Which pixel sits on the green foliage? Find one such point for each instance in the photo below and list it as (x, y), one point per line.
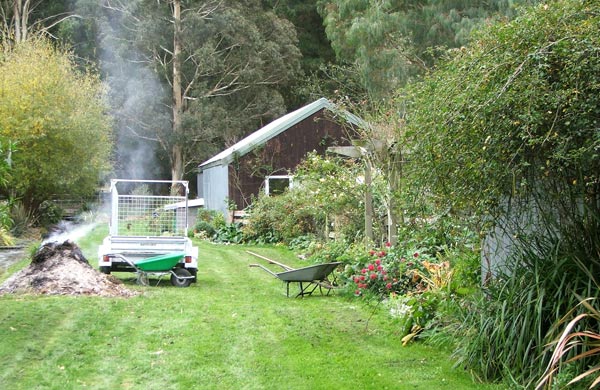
(5, 237)
(330, 189)
(239, 63)
(466, 263)
(6, 223)
(505, 330)
(302, 243)
(391, 41)
(413, 312)
(506, 131)
(334, 250)
(392, 270)
(204, 229)
(313, 44)
(5, 219)
(57, 117)
(6, 149)
(49, 213)
(207, 221)
(518, 105)
(325, 193)
(229, 233)
(450, 239)
(279, 219)
(22, 218)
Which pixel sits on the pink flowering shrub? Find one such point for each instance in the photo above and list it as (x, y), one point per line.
(388, 270)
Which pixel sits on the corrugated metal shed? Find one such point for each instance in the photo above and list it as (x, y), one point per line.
(271, 130)
(222, 183)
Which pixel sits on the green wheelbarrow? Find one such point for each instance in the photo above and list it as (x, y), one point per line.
(161, 265)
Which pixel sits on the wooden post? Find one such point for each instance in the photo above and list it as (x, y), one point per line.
(368, 203)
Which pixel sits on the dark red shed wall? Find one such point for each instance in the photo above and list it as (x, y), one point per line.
(282, 154)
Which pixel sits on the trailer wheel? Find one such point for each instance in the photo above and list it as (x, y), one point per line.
(178, 275)
(105, 270)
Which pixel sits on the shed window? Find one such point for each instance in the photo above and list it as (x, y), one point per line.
(275, 185)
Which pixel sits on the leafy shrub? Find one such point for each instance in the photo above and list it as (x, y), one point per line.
(326, 194)
(466, 264)
(280, 218)
(207, 223)
(338, 250)
(22, 218)
(302, 243)
(414, 312)
(231, 233)
(49, 213)
(204, 228)
(391, 270)
(5, 238)
(6, 221)
(206, 215)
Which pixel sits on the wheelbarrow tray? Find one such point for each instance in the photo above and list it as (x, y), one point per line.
(310, 278)
(159, 263)
(308, 274)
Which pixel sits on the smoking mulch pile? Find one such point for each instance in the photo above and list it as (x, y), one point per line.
(61, 269)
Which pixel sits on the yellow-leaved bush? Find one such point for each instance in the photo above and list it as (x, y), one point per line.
(56, 115)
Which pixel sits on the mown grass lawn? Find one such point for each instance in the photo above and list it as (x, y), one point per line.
(234, 329)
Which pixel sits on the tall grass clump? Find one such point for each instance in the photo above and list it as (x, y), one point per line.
(506, 329)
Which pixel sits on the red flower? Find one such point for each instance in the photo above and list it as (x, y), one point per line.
(388, 286)
(371, 267)
(373, 276)
(362, 277)
(388, 244)
(379, 268)
(377, 261)
(385, 277)
(356, 280)
(416, 255)
(357, 292)
(372, 252)
(382, 254)
(410, 263)
(363, 271)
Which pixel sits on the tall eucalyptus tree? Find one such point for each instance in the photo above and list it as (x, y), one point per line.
(191, 76)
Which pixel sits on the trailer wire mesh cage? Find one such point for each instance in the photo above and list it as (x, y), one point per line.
(137, 211)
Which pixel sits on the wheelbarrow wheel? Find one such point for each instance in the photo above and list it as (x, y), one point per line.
(181, 277)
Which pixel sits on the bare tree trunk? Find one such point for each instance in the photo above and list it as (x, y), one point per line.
(17, 12)
(176, 149)
(21, 10)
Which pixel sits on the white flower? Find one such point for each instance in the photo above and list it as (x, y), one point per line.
(401, 310)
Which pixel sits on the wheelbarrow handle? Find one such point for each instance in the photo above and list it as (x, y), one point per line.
(264, 268)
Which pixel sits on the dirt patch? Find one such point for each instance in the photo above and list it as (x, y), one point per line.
(61, 269)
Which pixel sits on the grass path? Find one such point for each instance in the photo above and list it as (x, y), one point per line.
(234, 329)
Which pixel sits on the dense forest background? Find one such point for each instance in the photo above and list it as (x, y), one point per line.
(186, 78)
